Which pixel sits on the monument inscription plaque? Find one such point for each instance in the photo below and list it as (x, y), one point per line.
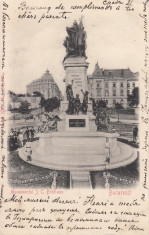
(77, 123)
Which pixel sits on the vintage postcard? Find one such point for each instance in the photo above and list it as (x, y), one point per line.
(74, 117)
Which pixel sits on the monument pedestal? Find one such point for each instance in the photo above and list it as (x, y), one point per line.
(76, 70)
(63, 106)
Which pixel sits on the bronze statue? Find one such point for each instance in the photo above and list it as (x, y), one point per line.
(102, 121)
(85, 102)
(82, 41)
(75, 42)
(50, 124)
(70, 98)
(77, 104)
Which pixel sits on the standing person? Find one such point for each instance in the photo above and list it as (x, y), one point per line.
(11, 132)
(28, 150)
(27, 132)
(11, 140)
(18, 132)
(32, 132)
(20, 139)
(15, 140)
(135, 133)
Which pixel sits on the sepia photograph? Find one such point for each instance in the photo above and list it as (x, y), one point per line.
(83, 133)
(74, 117)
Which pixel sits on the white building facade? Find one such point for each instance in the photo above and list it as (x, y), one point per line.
(46, 86)
(112, 85)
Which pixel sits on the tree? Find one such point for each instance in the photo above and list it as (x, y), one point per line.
(101, 104)
(42, 103)
(21, 95)
(51, 104)
(37, 94)
(24, 108)
(14, 99)
(133, 99)
(11, 93)
(118, 107)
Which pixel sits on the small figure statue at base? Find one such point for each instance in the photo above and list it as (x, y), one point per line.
(70, 98)
(50, 124)
(101, 120)
(85, 102)
(77, 104)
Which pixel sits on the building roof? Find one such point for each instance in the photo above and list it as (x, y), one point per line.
(97, 70)
(113, 73)
(46, 77)
(123, 73)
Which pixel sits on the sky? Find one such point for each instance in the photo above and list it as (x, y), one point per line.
(113, 39)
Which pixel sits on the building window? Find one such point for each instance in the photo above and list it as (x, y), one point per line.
(128, 92)
(128, 84)
(98, 92)
(133, 84)
(121, 84)
(98, 84)
(106, 93)
(121, 92)
(114, 84)
(114, 102)
(114, 92)
(121, 102)
(106, 85)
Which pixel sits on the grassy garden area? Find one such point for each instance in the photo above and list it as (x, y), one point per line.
(24, 175)
(123, 177)
(124, 116)
(124, 129)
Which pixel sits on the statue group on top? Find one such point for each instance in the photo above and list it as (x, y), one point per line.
(75, 42)
(74, 103)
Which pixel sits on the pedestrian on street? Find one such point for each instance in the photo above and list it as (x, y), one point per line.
(32, 132)
(135, 133)
(27, 132)
(20, 139)
(11, 140)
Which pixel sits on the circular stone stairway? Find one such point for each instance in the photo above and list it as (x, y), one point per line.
(79, 154)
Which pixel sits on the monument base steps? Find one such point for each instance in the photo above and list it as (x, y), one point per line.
(81, 185)
(80, 179)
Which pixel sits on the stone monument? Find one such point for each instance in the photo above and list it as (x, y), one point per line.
(80, 146)
(75, 63)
